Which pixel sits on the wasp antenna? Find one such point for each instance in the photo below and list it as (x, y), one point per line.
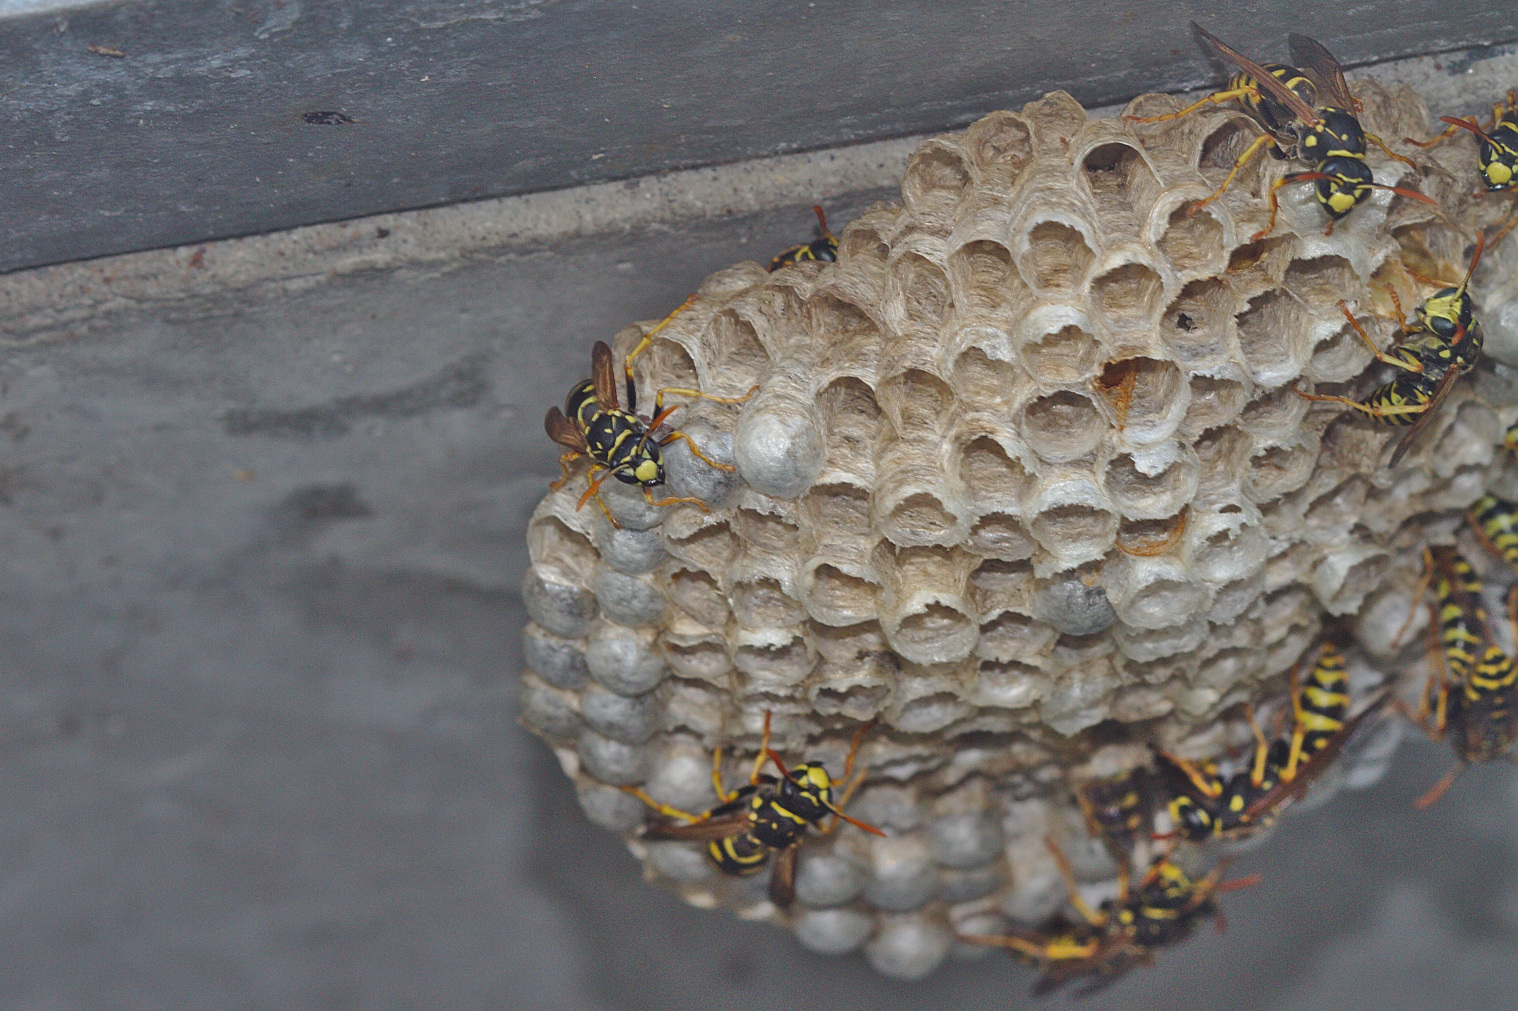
(1468, 124)
(1403, 191)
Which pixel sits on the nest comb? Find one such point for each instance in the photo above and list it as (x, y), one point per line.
(1024, 481)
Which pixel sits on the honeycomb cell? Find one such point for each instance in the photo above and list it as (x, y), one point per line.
(1066, 356)
(1000, 147)
(1214, 403)
(1126, 299)
(1148, 398)
(1197, 326)
(1062, 427)
(1150, 496)
(1057, 257)
(1271, 338)
(1193, 243)
(936, 180)
(920, 291)
(761, 603)
(1120, 180)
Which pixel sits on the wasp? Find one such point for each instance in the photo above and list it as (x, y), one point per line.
(1308, 115)
(1204, 806)
(1472, 696)
(1447, 342)
(1495, 522)
(1119, 810)
(621, 443)
(1163, 910)
(823, 248)
(767, 817)
(1497, 156)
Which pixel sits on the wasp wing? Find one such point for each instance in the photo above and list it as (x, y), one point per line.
(563, 431)
(1115, 959)
(1320, 65)
(1263, 78)
(1445, 385)
(604, 375)
(704, 830)
(783, 878)
(1314, 766)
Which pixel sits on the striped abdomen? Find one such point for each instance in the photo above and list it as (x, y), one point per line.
(1273, 115)
(1324, 701)
(615, 439)
(1482, 712)
(1462, 617)
(1497, 521)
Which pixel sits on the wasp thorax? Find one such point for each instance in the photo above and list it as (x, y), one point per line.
(809, 791)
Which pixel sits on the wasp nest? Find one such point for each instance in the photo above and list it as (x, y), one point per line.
(1025, 481)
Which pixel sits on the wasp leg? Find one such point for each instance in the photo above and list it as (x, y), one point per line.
(1058, 950)
(1449, 132)
(643, 346)
(1216, 98)
(659, 397)
(764, 750)
(1275, 204)
(1298, 731)
(1093, 917)
(1439, 788)
(1189, 770)
(1242, 160)
(564, 462)
(1261, 748)
(1381, 356)
(674, 500)
(1390, 153)
(1375, 412)
(696, 451)
(593, 491)
(664, 809)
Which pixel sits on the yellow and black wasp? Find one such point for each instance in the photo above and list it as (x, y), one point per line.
(1307, 114)
(1162, 910)
(1497, 155)
(824, 247)
(767, 817)
(1495, 520)
(1472, 695)
(621, 443)
(1446, 344)
(1119, 810)
(1205, 806)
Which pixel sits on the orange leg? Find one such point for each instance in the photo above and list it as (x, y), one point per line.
(1216, 98)
(1390, 153)
(1093, 917)
(1242, 160)
(564, 461)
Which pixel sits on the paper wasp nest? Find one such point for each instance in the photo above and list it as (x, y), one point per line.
(1024, 480)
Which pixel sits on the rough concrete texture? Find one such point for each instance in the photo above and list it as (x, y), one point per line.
(139, 123)
(259, 623)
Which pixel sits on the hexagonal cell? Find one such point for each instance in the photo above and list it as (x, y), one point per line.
(921, 289)
(1193, 243)
(1272, 336)
(1340, 507)
(1257, 265)
(837, 513)
(1322, 280)
(1057, 259)
(998, 535)
(836, 320)
(1140, 495)
(917, 402)
(698, 595)
(1222, 148)
(1214, 402)
(1281, 469)
(733, 355)
(931, 632)
(711, 547)
(851, 418)
(860, 241)
(935, 182)
(1013, 636)
(1062, 427)
(981, 380)
(671, 362)
(981, 276)
(999, 584)
(1342, 356)
(554, 546)
(1010, 684)
(999, 146)
(1127, 298)
(836, 597)
(989, 475)
(1273, 416)
(1226, 548)
(920, 518)
(1197, 326)
(1148, 538)
(1120, 179)
(1066, 357)
(767, 531)
(1160, 595)
(773, 667)
(1148, 398)
(1223, 458)
(1075, 530)
(762, 603)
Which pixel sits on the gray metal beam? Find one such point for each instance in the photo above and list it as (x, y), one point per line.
(134, 125)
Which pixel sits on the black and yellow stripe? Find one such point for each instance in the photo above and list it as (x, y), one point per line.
(1319, 708)
(1462, 616)
(1496, 521)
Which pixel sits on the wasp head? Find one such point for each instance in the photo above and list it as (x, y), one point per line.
(1343, 184)
(808, 793)
(1191, 820)
(642, 466)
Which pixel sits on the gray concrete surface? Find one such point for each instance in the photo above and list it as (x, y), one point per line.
(142, 123)
(262, 509)
(260, 632)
